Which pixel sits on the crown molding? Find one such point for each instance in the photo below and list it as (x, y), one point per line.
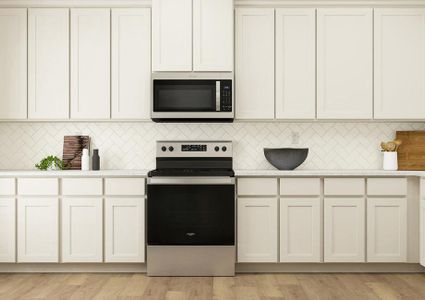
(75, 3)
(329, 3)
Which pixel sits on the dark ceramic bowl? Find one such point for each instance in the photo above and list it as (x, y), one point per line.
(286, 158)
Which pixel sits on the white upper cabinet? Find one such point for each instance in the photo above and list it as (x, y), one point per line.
(131, 63)
(254, 74)
(13, 63)
(48, 63)
(212, 35)
(399, 63)
(90, 63)
(172, 35)
(295, 63)
(344, 63)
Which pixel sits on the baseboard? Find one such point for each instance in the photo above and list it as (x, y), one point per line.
(240, 268)
(329, 268)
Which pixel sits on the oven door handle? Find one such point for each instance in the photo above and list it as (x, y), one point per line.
(191, 180)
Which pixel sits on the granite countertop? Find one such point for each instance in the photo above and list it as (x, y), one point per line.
(238, 173)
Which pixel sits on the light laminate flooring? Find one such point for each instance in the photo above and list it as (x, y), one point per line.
(245, 287)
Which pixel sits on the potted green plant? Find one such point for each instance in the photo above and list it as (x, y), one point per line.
(51, 163)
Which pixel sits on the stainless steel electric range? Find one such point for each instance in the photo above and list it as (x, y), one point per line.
(191, 210)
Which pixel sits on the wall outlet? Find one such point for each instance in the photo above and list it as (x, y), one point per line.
(295, 137)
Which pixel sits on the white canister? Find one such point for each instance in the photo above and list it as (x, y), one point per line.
(390, 161)
(85, 160)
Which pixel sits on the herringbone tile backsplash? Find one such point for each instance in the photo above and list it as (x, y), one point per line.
(132, 145)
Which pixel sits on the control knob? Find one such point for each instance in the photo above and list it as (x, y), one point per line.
(171, 148)
(216, 148)
(163, 148)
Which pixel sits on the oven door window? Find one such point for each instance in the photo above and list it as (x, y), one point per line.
(191, 215)
(184, 95)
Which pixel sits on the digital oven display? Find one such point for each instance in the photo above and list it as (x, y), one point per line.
(194, 148)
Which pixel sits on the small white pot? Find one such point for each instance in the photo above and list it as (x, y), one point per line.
(390, 161)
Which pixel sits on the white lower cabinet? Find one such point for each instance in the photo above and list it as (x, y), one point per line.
(38, 229)
(82, 229)
(124, 230)
(422, 230)
(344, 229)
(7, 230)
(300, 225)
(257, 230)
(386, 229)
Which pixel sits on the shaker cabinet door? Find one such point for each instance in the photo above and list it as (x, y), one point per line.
(7, 230)
(399, 63)
(295, 63)
(386, 229)
(124, 229)
(172, 35)
(48, 63)
(300, 229)
(344, 229)
(38, 229)
(13, 63)
(213, 35)
(257, 230)
(131, 63)
(254, 74)
(82, 229)
(344, 63)
(90, 63)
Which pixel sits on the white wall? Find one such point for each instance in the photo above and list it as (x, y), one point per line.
(132, 145)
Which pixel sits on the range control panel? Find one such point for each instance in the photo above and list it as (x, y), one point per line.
(194, 149)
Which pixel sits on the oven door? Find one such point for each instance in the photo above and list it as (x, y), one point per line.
(191, 211)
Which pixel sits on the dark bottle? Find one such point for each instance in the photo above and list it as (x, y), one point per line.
(96, 160)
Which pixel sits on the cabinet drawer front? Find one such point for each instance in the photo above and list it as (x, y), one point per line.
(82, 186)
(300, 186)
(257, 186)
(125, 186)
(386, 186)
(344, 186)
(38, 186)
(7, 186)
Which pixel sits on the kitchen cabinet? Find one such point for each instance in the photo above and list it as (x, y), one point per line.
(90, 63)
(257, 230)
(38, 229)
(13, 63)
(300, 224)
(399, 63)
(7, 230)
(172, 35)
(131, 63)
(82, 229)
(124, 229)
(295, 63)
(257, 186)
(344, 229)
(254, 65)
(212, 35)
(422, 225)
(344, 63)
(386, 229)
(192, 35)
(48, 63)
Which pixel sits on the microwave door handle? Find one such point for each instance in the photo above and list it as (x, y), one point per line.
(217, 95)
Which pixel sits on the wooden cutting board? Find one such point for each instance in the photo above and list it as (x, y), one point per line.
(411, 154)
(72, 150)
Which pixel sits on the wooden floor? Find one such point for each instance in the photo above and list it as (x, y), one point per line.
(246, 287)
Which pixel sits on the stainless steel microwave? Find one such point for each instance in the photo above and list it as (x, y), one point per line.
(192, 97)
